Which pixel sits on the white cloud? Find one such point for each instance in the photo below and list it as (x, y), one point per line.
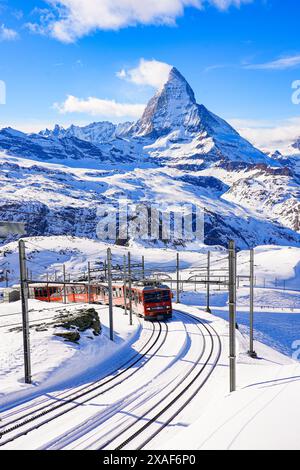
(148, 72)
(268, 135)
(225, 4)
(7, 34)
(100, 107)
(77, 18)
(279, 64)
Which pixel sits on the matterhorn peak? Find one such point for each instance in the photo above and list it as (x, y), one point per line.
(179, 85)
(173, 106)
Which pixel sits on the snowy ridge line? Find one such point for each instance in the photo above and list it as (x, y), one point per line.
(182, 393)
(99, 251)
(82, 392)
(32, 322)
(167, 393)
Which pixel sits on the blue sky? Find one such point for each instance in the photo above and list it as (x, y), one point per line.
(241, 60)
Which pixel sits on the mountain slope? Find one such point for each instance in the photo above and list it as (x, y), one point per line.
(178, 152)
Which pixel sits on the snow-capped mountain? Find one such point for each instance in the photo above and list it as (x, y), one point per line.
(96, 132)
(177, 152)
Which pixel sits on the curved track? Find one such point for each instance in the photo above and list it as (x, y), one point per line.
(67, 402)
(141, 401)
(182, 393)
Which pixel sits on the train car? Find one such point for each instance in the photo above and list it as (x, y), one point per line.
(46, 292)
(152, 302)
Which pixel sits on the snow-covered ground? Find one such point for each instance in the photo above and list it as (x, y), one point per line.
(261, 414)
(55, 362)
(249, 418)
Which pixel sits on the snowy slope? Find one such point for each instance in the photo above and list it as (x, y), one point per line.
(178, 151)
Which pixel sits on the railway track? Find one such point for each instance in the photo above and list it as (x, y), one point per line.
(70, 401)
(167, 410)
(132, 424)
(145, 426)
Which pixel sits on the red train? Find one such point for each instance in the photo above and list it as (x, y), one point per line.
(151, 302)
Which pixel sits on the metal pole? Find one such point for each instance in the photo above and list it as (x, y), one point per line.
(208, 284)
(110, 295)
(25, 318)
(105, 270)
(129, 288)
(64, 275)
(125, 285)
(143, 267)
(89, 282)
(177, 279)
(6, 278)
(251, 352)
(232, 315)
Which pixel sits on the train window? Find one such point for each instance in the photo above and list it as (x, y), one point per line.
(157, 296)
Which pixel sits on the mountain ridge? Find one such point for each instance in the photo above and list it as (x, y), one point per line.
(177, 151)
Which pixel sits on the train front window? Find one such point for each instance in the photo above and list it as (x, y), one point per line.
(159, 296)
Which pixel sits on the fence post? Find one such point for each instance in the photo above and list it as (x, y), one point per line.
(177, 279)
(110, 295)
(251, 352)
(232, 315)
(208, 284)
(25, 318)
